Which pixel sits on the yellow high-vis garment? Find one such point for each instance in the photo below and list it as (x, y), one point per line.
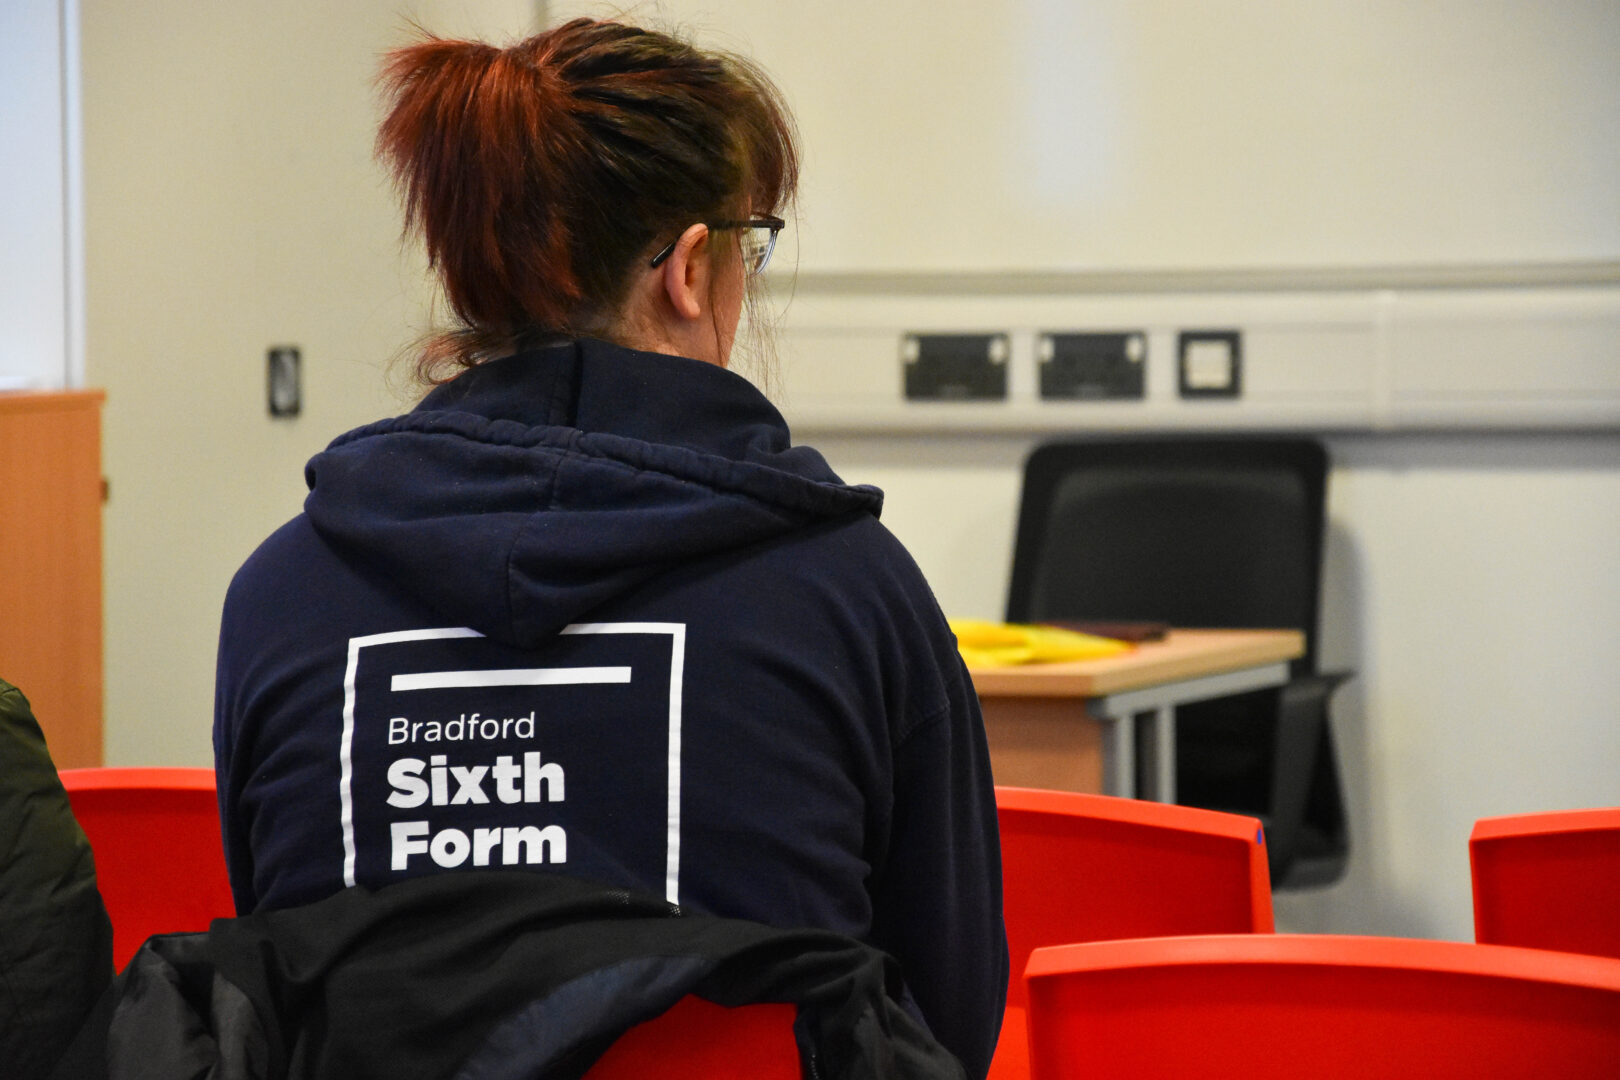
(992, 644)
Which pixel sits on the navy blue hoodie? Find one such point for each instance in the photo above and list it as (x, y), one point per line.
(586, 609)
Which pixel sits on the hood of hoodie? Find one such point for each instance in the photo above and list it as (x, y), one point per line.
(529, 490)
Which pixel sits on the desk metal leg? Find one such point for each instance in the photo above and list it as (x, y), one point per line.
(1157, 730)
(1119, 756)
(1154, 708)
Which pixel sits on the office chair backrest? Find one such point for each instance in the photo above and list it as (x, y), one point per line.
(699, 1040)
(155, 835)
(1264, 1006)
(1203, 532)
(1548, 881)
(1090, 867)
(1192, 532)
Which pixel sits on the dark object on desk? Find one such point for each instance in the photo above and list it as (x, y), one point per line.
(1119, 631)
(1204, 533)
(955, 367)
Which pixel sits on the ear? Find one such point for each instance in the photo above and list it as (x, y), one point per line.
(686, 272)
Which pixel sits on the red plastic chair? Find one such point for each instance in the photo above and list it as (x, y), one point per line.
(1266, 1007)
(699, 1040)
(1090, 867)
(1549, 881)
(160, 863)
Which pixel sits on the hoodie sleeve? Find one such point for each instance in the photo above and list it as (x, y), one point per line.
(227, 768)
(937, 902)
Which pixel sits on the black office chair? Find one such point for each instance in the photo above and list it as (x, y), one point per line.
(1203, 532)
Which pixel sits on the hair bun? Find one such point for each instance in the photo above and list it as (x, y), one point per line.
(539, 173)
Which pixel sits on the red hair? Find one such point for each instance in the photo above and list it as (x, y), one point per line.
(539, 174)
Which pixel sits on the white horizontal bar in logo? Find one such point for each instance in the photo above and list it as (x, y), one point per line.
(448, 680)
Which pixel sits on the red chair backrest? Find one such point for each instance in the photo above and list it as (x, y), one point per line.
(699, 1040)
(1264, 1006)
(1549, 881)
(160, 864)
(1089, 867)
(1080, 867)
(161, 868)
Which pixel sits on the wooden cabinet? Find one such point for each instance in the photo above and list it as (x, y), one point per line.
(50, 564)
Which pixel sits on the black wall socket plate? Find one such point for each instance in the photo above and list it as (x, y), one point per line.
(955, 367)
(1089, 366)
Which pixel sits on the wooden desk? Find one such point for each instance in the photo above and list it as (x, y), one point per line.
(1109, 725)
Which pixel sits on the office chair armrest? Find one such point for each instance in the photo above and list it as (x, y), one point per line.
(1302, 717)
(1308, 693)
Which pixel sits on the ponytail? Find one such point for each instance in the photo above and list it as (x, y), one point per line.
(538, 174)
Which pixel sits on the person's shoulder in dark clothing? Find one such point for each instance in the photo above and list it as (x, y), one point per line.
(55, 939)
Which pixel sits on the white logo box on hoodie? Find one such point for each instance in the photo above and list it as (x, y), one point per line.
(384, 681)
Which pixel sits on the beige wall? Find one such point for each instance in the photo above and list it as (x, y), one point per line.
(232, 205)
(1084, 134)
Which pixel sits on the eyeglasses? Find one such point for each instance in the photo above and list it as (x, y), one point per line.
(758, 241)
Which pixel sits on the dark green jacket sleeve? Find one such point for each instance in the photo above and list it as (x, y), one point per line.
(55, 940)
